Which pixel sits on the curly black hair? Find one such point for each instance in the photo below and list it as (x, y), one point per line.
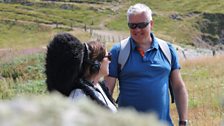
(63, 63)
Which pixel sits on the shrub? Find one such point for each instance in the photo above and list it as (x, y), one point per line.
(29, 67)
(54, 110)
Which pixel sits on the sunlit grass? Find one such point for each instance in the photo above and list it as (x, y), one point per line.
(185, 5)
(75, 14)
(23, 36)
(10, 88)
(23, 75)
(205, 84)
(103, 15)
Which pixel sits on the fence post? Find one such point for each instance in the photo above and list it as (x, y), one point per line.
(71, 26)
(91, 32)
(85, 27)
(56, 24)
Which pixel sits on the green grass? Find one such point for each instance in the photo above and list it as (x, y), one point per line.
(75, 15)
(19, 35)
(204, 81)
(10, 88)
(205, 84)
(181, 32)
(28, 67)
(184, 6)
(103, 14)
(23, 75)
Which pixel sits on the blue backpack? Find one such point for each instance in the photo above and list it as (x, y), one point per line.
(125, 52)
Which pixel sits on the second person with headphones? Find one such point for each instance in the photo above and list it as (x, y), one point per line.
(74, 69)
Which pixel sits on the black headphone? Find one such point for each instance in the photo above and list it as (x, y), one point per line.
(94, 65)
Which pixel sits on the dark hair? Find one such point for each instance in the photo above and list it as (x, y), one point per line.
(98, 50)
(63, 59)
(96, 53)
(66, 62)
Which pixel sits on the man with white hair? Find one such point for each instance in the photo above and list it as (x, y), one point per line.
(144, 78)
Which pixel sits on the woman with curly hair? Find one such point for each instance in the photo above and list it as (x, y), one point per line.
(74, 69)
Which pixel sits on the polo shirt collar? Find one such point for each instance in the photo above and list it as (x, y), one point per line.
(133, 44)
(154, 45)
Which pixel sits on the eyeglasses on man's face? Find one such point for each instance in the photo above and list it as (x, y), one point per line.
(109, 56)
(140, 25)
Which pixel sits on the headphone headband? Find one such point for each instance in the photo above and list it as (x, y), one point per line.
(94, 65)
(86, 52)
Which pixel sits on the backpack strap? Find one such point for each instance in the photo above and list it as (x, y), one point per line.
(165, 49)
(124, 52)
(126, 47)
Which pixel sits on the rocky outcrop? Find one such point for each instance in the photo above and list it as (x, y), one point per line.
(212, 29)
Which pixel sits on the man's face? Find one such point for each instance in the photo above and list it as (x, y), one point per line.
(140, 27)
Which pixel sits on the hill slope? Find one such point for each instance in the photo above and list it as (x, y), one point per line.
(186, 22)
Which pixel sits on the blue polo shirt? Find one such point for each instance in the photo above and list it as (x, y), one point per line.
(143, 81)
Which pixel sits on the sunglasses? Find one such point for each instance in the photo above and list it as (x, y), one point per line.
(109, 56)
(140, 25)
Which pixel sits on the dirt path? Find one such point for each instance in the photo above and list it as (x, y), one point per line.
(7, 54)
(106, 36)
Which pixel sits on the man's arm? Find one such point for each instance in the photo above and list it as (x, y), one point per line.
(110, 83)
(180, 94)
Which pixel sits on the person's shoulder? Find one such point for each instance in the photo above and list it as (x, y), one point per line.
(116, 46)
(170, 44)
(115, 49)
(173, 50)
(76, 93)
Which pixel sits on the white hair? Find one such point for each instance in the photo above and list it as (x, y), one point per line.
(139, 8)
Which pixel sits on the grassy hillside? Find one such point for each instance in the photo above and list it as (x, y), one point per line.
(44, 12)
(20, 35)
(205, 83)
(185, 6)
(23, 35)
(177, 21)
(22, 24)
